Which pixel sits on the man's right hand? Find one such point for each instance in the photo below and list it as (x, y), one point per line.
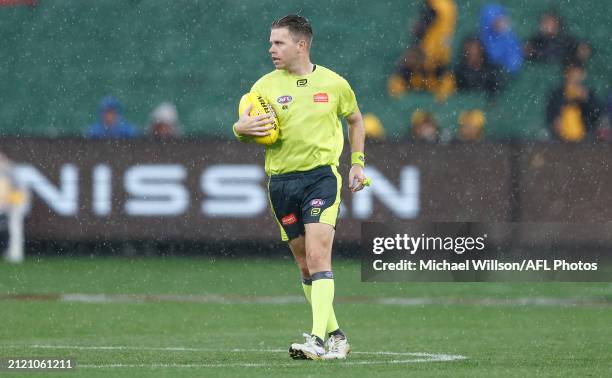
(254, 126)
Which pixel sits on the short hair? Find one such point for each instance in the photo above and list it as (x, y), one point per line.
(296, 24)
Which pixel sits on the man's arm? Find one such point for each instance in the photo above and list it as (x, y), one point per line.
(357, 141)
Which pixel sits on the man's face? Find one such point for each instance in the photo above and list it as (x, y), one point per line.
(469, 132)
(473, 54)
(502, 24)
(110, 117)
(575, 76)
(549, 25)
(284, 49)
(162, 130)
(425, 131)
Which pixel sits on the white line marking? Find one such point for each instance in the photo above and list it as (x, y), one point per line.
(266, 365)
(417, 356)
(298, 299)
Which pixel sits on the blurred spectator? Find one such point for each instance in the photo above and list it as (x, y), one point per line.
(373, 127)
(164, 122)
(424, 127)
(604, 130)
(552, 43)
(471, 126)
(609, 106)
(476, 72)
(424, 65)
(501, 45)
(572, 110)
(31, 3)
(13, 200)
(111, 124)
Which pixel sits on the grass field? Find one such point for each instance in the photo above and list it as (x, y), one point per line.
(153, 317)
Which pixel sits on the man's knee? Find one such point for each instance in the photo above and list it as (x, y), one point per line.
(319, 239)
(318, 256)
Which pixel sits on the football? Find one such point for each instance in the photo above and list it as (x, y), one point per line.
(260, 106)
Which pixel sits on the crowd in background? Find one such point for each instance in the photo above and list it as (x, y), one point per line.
(111, 124)
(490, 59)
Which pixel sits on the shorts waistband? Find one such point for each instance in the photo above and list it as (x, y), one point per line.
(293, 175)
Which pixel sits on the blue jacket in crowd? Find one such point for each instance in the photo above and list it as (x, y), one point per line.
(501, 46)
(120, 129)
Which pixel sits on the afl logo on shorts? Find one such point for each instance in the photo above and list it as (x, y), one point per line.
(284, 99)
(317, 202)
(289, 219)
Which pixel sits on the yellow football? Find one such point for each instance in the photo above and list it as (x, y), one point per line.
(260, 106)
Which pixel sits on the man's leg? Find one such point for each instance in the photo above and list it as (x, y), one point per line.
(298, 248)
(319, 240)
(320, 203)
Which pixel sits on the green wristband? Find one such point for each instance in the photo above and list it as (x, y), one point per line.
(358, 158)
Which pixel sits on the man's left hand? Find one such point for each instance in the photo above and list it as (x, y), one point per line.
(356, 178)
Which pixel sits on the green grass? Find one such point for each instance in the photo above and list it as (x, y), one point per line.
(498, 340)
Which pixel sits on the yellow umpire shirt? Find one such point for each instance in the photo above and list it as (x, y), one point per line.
(308, 109)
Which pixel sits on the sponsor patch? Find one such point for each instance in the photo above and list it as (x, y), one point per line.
(317, 202)
(315, 211)
(284, 99)
(288, 219)
(321, 97)
(302, 82)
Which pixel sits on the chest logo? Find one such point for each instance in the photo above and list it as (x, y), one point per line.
(321, 97)
(301, 82)
(284, 99)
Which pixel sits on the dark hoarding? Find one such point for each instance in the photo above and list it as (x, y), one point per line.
(207, 190)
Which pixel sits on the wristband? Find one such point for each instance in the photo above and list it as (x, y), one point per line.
(358, 158)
